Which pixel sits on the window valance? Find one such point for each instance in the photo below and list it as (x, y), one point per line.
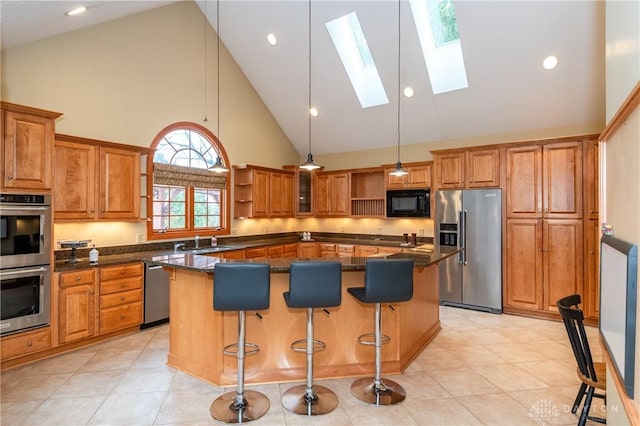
(169, 174)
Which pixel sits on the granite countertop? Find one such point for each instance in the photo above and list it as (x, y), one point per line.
(196, 260)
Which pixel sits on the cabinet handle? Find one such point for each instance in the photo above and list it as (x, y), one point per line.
(10, 177)
(30, 344)
(78, 278)
(122, 297)
(122, 316)
(93, 210)
(122, 272)
(592, 211)
(592, 252)
(123, 285)
(92, 292)
(539, 249)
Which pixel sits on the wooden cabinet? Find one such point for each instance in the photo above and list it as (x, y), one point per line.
(543, 262)
(345, 250)
(545, 181)
(28, 342)
(332, 194)
(27, 147)
(95, 182)
(367, 193)
(364, 251)
(327, 249)
(76, 305)
(307, 250)
(592, 174)
(472, 168)
(262, 192)
(389, 249)
(233, 254)
(255, 253)
(592, 269)
(290, 250)
(419, 176)
(120, 297)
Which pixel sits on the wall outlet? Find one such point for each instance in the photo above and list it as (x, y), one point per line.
(266, 229)
(141, 237)
(421, 232)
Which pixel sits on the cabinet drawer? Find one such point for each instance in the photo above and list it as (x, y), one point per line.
(326, 247)
(290, 250)
(120, 317)
(120, 298)
(275, 251)
(346, 248)
(252, 253)
(25, 343)
(114, 286)
(69, 279)
(121, 271)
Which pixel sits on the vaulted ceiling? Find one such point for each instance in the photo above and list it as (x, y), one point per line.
(503, 43)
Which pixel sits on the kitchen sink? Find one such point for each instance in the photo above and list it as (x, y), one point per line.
(211, 249)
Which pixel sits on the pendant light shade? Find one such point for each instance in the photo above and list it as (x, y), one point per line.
(219, 167)
(399, 170)
(309, 164)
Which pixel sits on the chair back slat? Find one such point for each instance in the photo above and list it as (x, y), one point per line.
(573, 319)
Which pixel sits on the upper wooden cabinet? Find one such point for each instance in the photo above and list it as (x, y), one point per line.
(545, 180)
(419, 175)
(263, 192)
(94, 181)
(27, 153)
(332, 194)
(367, 193)
(473, 168)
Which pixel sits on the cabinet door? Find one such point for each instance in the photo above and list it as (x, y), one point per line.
(523, 259)
(450, 170)
(260, 193)
(419, 176)
(74, 181)
(28, 150)
(76, 314)
(364, 251)
(562, 180)
(592, 191)
(119, 184)
(275, 194)
(322, 195)
(524, 181)
(288, 195)
(483, 168)
(563, 261)
(308, 250)
(591, 300)
(340, 194)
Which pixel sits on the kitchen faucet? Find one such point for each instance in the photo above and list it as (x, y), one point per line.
(197, 239)
(178, 246)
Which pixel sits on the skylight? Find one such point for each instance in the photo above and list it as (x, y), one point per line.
(351, 44)
(438, 34)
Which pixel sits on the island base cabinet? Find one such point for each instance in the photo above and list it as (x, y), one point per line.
(198, 333)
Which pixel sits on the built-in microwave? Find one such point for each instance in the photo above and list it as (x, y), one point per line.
(24, 298)
(25, 230)
(408, 203)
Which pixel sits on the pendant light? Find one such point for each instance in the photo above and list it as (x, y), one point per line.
(309, 164)
(218, 167)
(399, 170)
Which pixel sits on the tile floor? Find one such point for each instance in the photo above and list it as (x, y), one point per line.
(481, 369)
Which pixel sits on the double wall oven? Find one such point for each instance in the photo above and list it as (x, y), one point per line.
(25, 255)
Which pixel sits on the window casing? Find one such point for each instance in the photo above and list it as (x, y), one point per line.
(186, 198)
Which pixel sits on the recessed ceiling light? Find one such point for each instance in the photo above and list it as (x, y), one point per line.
(313, 111)
(272, 39)
(76, 11)
(550, 62)
(408, 92)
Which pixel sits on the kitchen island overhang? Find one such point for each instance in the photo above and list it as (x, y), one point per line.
(198, 334)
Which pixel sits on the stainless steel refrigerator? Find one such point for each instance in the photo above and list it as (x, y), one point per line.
(470, 219)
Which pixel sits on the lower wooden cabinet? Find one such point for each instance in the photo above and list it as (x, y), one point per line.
(76, 305)
(364, 251)
(592, 269)
(544, 262)
(26, 343)
(307, 250)
(327, 250)
(120, 296)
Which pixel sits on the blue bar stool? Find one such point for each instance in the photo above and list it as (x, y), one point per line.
(385, 281)
(312, 285)
(240, 287)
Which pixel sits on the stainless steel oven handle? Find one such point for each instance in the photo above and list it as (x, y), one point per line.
(23, 271)
(25, 208)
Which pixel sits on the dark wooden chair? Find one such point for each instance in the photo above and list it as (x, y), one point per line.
(591, 374)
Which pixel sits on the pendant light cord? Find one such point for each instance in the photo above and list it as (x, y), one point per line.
(206, 101)
(218, 61)
(309, 91)
(399, 95)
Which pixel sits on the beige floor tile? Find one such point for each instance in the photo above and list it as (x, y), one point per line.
(160, 340)
(463, 381)
(551, 405)
(470, 356)
(509, 377)
(89, 384)
(33, 387)
(460, 324)
(65, 363)
(123, 409)
(186, 382)
(373, 415)
(150, 358)
(438, 359)
(15, 413)
(336, 417)
(66, 411)
(515, 352)
(105, 361)
(485, 337)
(497, 409)
(131, 342)
(185, 408)
(421, 386)
(449, 337)
(440, 412)
(519, 334)
(553, 372)
(145, 380)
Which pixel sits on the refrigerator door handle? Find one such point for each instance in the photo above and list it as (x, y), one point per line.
(464, 237)
(460, 237)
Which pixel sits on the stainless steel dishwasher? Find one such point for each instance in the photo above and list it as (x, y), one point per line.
(156, 296)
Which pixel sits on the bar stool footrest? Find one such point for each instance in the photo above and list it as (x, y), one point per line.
(232, 349)
(318, 345)
(370, 339)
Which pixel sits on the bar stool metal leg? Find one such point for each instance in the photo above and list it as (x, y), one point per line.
(310, 399)
(375, 390)
(240, 406)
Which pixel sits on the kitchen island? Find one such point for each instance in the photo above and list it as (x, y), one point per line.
(198, 333)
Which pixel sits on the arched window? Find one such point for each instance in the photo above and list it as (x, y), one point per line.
(188, 198)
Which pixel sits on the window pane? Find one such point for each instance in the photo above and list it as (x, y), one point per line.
(207, 214)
